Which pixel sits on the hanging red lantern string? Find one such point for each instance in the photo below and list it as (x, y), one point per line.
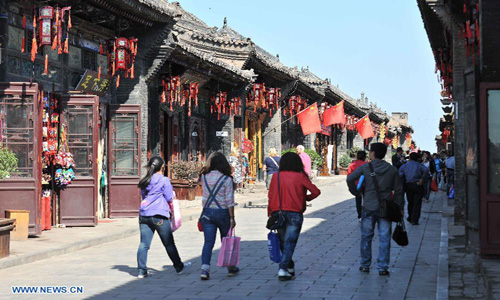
(121, 56)
(218, 103)
(272, 99)
(190, 94)
(50, 31)
(257, 96)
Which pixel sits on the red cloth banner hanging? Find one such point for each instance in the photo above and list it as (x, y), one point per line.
(309, 120)
(364, 127)
(334, 115)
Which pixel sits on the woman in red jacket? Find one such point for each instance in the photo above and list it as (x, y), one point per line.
(290, 184)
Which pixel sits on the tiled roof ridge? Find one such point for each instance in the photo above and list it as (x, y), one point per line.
(247, 74)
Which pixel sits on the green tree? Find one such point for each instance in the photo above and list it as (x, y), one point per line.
(8, 162)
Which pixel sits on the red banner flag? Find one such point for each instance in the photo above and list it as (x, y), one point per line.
(364, 127)
(309, 120)
(334, 115)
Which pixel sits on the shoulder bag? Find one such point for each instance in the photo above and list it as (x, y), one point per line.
(400, 236)
(276, 221)
(213, 192)
(388, 209)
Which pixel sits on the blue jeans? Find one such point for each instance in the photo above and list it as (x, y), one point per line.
(289, 235)
(148, 226)
(368, 221)
(211, 220)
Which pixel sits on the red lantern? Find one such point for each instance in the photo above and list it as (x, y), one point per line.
(122, 53)
(46, 16)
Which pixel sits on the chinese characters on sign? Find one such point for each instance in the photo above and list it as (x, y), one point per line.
(91, 84)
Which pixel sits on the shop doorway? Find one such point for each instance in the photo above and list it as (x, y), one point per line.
(78, 201)
(20, 114)
(124, 161)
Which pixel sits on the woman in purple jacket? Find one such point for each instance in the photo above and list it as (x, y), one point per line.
(154, 215)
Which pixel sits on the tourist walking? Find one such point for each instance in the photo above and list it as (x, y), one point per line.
(271, 165)
(428, 162)
(450, 170)
(414, 175)
(218, 207)
(361, 160)
(306, 160)
(398, 159)
(437, 164)
(154, 214)
(388, 182)
(236, 165)
(289, 186)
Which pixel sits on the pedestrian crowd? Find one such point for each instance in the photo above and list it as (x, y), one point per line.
(288, 184)
(379, 189)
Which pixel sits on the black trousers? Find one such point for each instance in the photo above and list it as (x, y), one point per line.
(359, 199)
(414, 195)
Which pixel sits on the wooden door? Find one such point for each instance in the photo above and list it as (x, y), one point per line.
(21, 132)
(490, 168)
(171, 142)
(124, 161)
(78, 201)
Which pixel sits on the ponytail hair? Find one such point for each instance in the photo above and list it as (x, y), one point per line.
(155, 164)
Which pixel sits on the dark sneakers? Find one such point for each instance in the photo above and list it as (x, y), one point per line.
(232, 271)
(364, 269)
(384, 273)
(205, 275)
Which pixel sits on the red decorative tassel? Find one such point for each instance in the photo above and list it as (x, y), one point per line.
(34, 49)
(101, 50)
(46, 72)
(465, 8)
(132, 71)
(66, 45)
(69, 20)
(23, 43)
(34, 18)
(114, 69)
(163, 99)
(99, 73)
(118, 81)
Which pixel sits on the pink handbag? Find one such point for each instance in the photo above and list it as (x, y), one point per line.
(229, 254)
(175, 215)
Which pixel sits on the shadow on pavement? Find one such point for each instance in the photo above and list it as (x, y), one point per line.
(327, 261)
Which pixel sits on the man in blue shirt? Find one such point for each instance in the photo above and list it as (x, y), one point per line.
(413, 175)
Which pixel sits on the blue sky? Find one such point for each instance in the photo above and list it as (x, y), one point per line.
(376, 47)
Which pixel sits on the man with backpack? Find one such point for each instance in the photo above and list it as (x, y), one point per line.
(381, 180)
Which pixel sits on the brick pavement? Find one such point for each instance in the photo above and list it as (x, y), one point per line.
(327, 262)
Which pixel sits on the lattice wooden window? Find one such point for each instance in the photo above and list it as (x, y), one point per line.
(125, 140)
(80, 136)
(17, 132)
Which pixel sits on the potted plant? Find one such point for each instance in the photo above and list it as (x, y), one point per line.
(8, 162)
(344, 162)
(185, 178)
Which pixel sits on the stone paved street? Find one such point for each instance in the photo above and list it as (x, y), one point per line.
(326, 257)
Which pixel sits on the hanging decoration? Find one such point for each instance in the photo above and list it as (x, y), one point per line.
(395, 141)
(121, 57)
(219, 104)
(256, 97)
(295, 105)
(272, 99)
(64, 162)
(382, 130)
(444, 64)
(189, 95)
(350, 122)
(171, 91)
(408, 139)
(50, 126)
(471, 31)
(53, 29)
(233, 107)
